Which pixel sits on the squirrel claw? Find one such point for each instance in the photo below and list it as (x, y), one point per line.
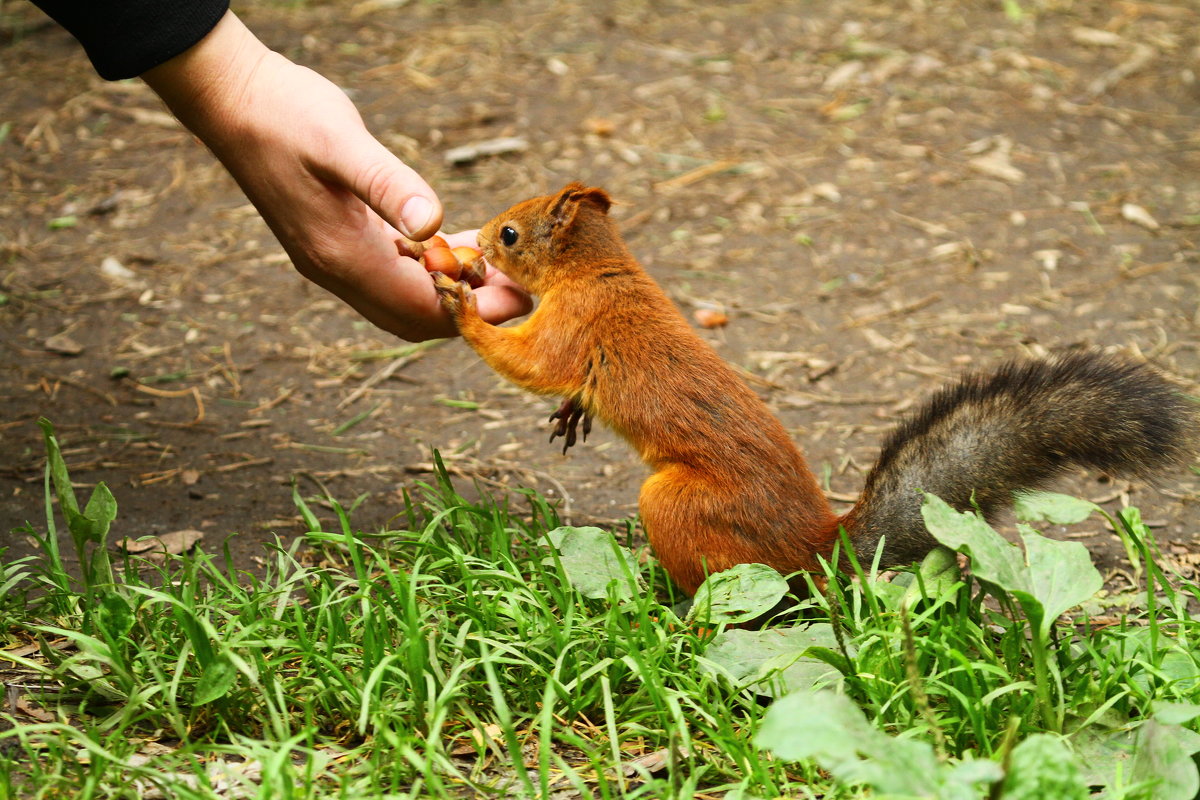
(455, 296)
(568, 416)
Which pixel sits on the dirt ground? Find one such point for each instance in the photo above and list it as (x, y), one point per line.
(878, 194)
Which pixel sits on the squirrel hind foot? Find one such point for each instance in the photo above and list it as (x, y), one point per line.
(568, 415)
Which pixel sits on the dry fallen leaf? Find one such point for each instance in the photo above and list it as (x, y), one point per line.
(156, 547)
(34, 711)
(490, 734)
(114, 269)
(841, 75)
(63, 344)
(488, 147)
(651, 762)
(359, 10)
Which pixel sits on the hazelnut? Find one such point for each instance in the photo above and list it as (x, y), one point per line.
(441, 259)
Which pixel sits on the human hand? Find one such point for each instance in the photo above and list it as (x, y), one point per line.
(336, 199)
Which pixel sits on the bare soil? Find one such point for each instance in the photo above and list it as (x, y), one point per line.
(878, 194)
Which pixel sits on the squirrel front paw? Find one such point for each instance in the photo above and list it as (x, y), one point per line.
(456, 296)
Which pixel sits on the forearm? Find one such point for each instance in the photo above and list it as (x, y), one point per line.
(124, 39)
(205, 85)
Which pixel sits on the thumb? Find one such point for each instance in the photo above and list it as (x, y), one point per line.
(390, 187)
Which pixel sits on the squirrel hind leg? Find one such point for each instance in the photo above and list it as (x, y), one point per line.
(698, 525)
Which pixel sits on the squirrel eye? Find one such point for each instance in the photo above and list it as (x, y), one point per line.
(508, 236)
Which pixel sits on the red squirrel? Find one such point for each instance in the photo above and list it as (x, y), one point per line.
(728, 485)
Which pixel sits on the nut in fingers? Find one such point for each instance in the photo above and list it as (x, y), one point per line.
(409, 247)
(441, 259)
(474, 267)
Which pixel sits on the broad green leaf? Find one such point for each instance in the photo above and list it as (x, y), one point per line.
(939, 572)
(738, 594)
(1175, 713)
(90, 525)
(100, 511)
(1163, 752)
(1160, 749)
(1176, 665)
(1131, 516)
(993, 558)
(1061, 575)
(831, 730)
(96, 679)
(1104, 753)
(1047, 580)
(593, 561)
(115, 616)
(963, 779)
(844, 732)
(1043, 767)
(1052, 507)
(774, 658)
(216, 680)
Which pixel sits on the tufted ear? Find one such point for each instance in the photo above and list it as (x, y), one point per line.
(566, 204)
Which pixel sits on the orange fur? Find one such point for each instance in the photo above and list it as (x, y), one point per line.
(728, 485)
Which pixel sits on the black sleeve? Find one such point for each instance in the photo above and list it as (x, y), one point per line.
(124, 38)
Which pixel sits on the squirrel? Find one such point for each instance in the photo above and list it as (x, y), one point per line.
(729, 486)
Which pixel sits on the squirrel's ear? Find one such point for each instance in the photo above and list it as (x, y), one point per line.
(566, 203)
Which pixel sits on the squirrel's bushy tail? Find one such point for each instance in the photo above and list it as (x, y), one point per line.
(990, 435)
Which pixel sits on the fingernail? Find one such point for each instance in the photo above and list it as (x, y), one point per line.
(416, 214)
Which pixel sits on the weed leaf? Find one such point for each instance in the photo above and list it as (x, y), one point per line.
(1061, 575)
(1159, 752)
(939, 577)
(1163, 753)
(775, 661)
(1047, 580)
(992, 558)
(593, 561)
(93, 523)
(58, 468)
(738, 594)
(216, 680)
(846, 745)
(100, 512)
(115, 616)
(1052, 507)
(1040, 767)
(1176, 713)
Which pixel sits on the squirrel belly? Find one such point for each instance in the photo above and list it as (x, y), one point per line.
(728, 485)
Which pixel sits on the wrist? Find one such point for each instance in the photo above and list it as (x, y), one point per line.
(203, 85)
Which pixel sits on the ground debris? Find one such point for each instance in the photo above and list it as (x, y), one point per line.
(890, 194)
(503, 145)
(157, 548)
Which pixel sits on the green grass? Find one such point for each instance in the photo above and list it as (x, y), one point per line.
(479, 650)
